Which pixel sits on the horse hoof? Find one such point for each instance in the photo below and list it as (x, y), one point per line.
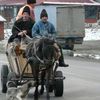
(42, 91)
(35, 97)
(48, 97)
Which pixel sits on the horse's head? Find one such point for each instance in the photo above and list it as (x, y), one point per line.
(48, 51)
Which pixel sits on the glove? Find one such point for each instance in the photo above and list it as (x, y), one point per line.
(20, 33)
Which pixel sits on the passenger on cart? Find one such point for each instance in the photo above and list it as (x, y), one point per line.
(43, 28)
(31, 5)
(22, 26)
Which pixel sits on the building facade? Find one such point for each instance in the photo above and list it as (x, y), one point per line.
(9, 8)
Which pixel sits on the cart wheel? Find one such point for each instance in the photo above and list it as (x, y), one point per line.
(11, 77)
(4, 74)
(58, 84)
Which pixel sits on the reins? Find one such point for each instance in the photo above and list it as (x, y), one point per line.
(39, 59)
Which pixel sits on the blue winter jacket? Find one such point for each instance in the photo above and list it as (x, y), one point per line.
(43, 29)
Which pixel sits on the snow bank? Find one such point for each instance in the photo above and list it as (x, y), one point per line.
(92, 34)
(7, 33)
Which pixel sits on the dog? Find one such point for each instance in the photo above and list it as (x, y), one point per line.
(20, 92)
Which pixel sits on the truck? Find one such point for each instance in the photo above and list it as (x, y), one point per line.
(69, 21)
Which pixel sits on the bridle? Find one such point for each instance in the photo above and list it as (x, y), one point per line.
(44, 60)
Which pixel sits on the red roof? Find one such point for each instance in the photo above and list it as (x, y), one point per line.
(90, 20)
(82, 2)
(21, 2)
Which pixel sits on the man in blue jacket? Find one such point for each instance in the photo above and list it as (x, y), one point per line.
(43, 28)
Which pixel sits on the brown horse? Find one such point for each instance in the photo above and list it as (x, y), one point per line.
(42, 56)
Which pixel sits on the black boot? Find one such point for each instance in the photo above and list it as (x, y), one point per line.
(62, 64)
(61, 59)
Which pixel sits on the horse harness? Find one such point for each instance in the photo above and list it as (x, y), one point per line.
(35, 48)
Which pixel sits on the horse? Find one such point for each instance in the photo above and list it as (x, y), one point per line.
(42, 54)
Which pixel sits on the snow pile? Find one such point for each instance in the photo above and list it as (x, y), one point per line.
(7, 34)
(92, 34)
(85, 55)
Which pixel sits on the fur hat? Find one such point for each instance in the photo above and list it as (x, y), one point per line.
(43, 13)
(31, 1)
(26, 9)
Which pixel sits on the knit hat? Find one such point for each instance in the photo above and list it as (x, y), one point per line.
(26, 9)
(43, 13)
(31, 1)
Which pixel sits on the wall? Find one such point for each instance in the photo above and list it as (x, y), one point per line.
(51, 10)
(1, 30)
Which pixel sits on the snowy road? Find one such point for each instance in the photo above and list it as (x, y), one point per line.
(82, 80)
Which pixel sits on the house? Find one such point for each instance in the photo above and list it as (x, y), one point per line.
(92, 8)
(9, 8)
(2, 20)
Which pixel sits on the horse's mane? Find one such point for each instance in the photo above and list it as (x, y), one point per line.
(43, 44)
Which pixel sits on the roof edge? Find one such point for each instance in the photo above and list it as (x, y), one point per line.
(94, 1)
(2, 19)
(73, 3)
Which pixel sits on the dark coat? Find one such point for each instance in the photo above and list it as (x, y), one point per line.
(19, 26)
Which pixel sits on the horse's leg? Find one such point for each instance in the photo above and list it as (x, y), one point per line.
(35, 72)
(42, 82)
(47, 84)
(36, 94)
